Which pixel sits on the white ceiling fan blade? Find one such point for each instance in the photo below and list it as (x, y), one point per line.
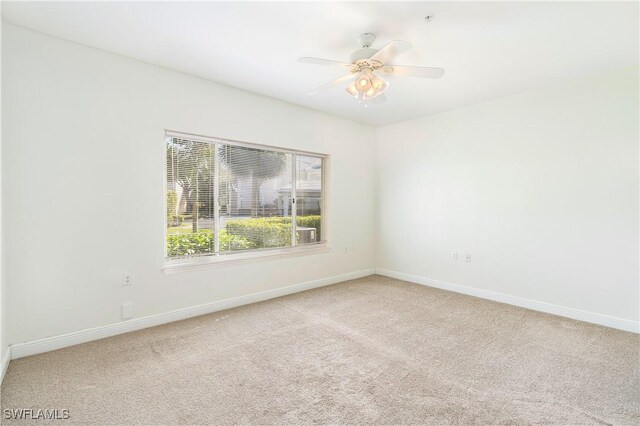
(319, 61)
(390, 51)
(424, 72)
(330, 84)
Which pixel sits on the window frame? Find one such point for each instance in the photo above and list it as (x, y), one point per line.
(206, 261)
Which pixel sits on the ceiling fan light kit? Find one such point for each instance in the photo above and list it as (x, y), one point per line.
(367, 85)
(366, 63)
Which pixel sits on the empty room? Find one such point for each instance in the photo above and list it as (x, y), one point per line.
(265, 213)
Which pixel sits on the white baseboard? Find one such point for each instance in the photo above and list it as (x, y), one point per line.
(4, 364)
(563, 311)
(47, 344)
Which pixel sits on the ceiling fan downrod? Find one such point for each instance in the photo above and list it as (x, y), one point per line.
(365, 40)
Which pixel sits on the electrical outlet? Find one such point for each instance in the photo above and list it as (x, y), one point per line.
(467, 257)
(127, 279)
(454, 256)
(127, 310)
(346, 249)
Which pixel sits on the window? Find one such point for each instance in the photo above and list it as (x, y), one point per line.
(225, 198)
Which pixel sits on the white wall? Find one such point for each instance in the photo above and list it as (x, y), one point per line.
(541, 188)
(3, 323)
(83, 184)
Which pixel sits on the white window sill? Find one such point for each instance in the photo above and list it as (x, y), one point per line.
(209, 262)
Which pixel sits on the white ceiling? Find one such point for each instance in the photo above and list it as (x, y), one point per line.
(489, 49)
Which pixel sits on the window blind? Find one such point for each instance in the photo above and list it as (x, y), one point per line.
(224, 197)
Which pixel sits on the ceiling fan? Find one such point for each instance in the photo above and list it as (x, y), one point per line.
(366, 66)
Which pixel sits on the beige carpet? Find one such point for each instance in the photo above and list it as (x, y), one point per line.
(372, 350)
